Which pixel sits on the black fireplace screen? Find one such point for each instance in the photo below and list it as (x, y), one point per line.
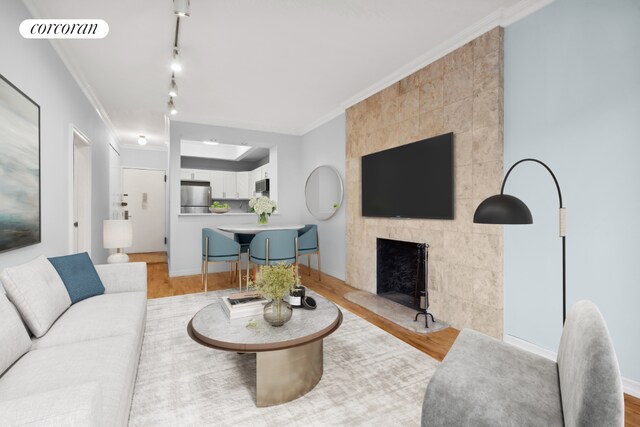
(401, 271)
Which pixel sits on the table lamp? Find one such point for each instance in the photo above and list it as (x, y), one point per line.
(117, 234)
(506, 209)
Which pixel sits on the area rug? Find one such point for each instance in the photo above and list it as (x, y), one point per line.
(370, 377)
(397, 313)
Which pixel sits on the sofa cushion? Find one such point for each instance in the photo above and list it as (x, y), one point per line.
(70, 406)
(588, 370)
(37, 291)
(13, 335)
(98, 317)
(485, 382)
(78, 275)
(111, 362)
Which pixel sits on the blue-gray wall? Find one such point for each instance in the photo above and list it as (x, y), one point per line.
(572, 99)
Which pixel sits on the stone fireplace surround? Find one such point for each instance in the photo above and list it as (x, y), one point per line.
(462, 93)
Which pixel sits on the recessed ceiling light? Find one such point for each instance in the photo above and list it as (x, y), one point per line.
(211, 141)
(181, 8)
(172, 107)
(173, 89)
(142, 140)
(176, 65)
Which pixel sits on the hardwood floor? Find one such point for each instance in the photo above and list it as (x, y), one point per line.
(436, 344)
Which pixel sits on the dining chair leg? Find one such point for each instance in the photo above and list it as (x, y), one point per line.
(206, 276)
(239, 268)
(202, 273)
(309, 264)
(319, 274)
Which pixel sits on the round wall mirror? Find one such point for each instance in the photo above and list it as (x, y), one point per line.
(323, 192)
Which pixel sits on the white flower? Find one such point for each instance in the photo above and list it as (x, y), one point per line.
(262, 205)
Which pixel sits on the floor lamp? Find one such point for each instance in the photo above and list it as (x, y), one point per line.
(505, 209)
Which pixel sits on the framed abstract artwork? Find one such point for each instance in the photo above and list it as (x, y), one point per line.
(19, 168)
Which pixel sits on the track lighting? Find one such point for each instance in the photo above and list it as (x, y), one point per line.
(142, 140)
(181, 8)
(173, 88)
(176, 65)
(211, 141)
(172, 108)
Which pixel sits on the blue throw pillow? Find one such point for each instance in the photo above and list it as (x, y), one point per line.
(78, 275)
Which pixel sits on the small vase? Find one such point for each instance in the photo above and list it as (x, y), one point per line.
(277, 312)
(263, 219)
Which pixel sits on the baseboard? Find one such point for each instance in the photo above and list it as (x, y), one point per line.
(629, 386)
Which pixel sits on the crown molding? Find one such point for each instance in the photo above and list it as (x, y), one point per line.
(85, 87)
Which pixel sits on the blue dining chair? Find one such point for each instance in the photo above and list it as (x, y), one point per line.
(216, 248)
(309, 244)
(273, 247)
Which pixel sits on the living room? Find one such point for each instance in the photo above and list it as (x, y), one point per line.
(328, 85)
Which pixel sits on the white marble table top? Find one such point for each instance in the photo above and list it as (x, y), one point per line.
(254, 228)
(211, 326)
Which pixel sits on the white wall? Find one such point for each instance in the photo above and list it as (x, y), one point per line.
(572, 100)
(185, 231)
(326, 145)
(143, 158)
(35, 68)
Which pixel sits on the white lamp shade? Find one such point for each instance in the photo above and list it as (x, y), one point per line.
(117, 233)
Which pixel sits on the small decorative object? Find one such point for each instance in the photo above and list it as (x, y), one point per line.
(264, 207)
(117, 234)
(296, 296)
(274, 282)
(218, 207)
(20, 170)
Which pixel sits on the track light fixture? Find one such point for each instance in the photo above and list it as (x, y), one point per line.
(142, 140)
(181, 8)
(176, 65)
(173, 88)
(172, 108)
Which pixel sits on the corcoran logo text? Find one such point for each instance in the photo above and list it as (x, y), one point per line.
(64, 29)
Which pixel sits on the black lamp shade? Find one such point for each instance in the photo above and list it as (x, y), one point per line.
(502, 209)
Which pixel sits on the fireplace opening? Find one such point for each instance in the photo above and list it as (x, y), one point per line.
(401, 272)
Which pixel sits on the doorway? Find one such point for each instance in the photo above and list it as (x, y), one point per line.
(81, 210)
(144, 194)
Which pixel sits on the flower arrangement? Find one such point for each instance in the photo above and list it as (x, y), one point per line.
(275, 281)
(263, 206)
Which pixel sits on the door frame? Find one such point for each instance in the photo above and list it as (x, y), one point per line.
(166, 195)
(73, 131)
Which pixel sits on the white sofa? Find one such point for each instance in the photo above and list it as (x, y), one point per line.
(83, 370)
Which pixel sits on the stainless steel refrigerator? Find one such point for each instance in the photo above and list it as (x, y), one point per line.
(195, 196)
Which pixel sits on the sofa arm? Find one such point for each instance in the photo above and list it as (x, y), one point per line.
(78, 405)
(126, 277)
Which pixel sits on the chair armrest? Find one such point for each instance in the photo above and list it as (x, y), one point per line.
(126, 277)
(78, 405)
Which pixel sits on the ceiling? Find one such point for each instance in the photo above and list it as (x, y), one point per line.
(275, 65)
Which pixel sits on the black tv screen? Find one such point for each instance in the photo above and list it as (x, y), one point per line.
(410, 181)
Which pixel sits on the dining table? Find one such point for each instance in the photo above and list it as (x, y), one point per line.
(253, 228)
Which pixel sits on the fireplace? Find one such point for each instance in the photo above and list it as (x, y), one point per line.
(401, 272)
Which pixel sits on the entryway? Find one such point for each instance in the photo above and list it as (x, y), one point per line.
(144, 194)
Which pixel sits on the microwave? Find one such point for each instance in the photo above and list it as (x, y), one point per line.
(262, 186)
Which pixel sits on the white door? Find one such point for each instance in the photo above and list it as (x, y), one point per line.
(81, 193)
(229, 185)
(115, 186)
(217, 186)
(242, 181)
(144, 192)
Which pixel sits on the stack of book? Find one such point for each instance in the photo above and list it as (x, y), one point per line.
(243, 304)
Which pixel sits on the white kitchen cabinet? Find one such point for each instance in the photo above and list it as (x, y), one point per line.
(229, 185)
(242, 185)
(194, 175)
(217, 184)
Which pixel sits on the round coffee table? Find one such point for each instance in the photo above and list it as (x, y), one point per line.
(289, 358)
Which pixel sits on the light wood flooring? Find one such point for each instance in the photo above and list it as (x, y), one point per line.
(435, 344)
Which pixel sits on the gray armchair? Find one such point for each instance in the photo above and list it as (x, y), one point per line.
(486, 382)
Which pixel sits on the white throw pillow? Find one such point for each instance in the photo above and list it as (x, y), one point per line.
(13, 335)
(38, 292)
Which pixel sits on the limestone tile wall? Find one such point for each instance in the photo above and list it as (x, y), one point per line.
(460, 93)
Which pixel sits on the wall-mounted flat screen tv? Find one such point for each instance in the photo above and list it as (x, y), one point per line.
(411, 181)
